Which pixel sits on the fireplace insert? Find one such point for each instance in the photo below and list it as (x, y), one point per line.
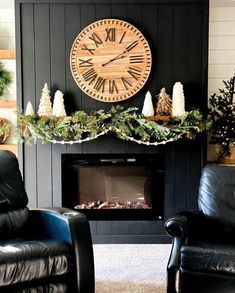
(114, 186)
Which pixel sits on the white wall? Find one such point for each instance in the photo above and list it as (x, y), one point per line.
(7, 41)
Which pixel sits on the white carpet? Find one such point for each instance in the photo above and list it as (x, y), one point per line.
(132, 268)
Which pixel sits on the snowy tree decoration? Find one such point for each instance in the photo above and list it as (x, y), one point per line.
(29, 109)
(58, 105)
(148, 109)
(45, 106)
(178, 100)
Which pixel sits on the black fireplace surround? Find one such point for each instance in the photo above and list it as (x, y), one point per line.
(114, 186)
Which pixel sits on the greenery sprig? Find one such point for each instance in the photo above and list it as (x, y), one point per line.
(5, 127)
(5, 78)
(127, 124)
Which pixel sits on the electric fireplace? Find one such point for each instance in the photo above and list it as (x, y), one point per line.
(114, 186)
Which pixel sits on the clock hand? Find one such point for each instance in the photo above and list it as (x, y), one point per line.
(128, 48)
(115, 58)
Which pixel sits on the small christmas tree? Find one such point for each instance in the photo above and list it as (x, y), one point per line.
(222, 116)
(45, 106)
(58, 105)
(178, 100)
(29, 109)
(164, 107)
(148, 109)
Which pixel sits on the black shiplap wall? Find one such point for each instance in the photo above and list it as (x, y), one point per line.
(177, 32)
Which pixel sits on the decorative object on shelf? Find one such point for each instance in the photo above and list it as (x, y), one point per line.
(110, 60)
(148, 109)
(164, 104)
(58, 109)
(178, 100)
(222, 118)
(29, 109)
(127, 124)
(45, 106)
(5, 79)
(5, 128)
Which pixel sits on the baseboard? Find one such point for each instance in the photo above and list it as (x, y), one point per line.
(131, 239)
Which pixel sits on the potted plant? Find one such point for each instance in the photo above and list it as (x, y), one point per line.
(5, 79)
(5, 127)
(222, 118)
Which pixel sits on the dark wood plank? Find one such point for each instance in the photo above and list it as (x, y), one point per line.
(88, 15)
(134, 227)
(195, 57)
(28, 94)
(180, 43)
(118, 228)
(58, 74)
(42, 71)
(164, 58)
(179, 169)
(73, 94)
(104, 228)
(149, 227)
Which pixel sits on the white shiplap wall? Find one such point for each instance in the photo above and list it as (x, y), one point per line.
(7, 41)
(221, 46)
(221, 51)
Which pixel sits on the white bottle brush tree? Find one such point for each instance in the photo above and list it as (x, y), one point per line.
(45, 105)
(148, 109)
(58, 105)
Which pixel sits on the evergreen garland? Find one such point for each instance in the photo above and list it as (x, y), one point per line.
(125, 123)
(222, 117)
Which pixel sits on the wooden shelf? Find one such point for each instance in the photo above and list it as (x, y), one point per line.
(8, 104)
(7, 54)
(9, 147)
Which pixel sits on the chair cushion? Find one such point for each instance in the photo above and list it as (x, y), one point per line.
(216, 193)
(11, 223)
(208, 258)
(27, 261)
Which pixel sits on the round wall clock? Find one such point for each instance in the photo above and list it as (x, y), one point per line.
(110, 60)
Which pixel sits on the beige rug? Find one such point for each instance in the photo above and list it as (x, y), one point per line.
(134, 268)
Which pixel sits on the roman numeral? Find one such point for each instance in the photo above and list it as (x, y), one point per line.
(132, 45)
(110, 34)
(134, 72)
(122, 37)
(99, 84)
(112, 87)
(84, 47)
(95, 38)
(137, 59)
(89, 75)
(125, 83)
(85, 63)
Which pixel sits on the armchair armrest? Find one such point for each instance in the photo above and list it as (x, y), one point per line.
(178, 228)
(72, 228)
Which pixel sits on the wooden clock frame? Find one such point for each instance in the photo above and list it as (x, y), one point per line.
(110, 60)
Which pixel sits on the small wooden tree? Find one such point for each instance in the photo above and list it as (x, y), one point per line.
(164, 106)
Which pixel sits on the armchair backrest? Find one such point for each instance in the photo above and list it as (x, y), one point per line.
(13, 197)
(217, 193)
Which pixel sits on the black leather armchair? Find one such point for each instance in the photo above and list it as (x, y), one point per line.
(41, 250)
(202, 258)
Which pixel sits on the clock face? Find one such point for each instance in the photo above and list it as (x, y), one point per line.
(110, 60)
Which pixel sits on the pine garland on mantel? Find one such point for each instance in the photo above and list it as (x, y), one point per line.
(127, 124)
